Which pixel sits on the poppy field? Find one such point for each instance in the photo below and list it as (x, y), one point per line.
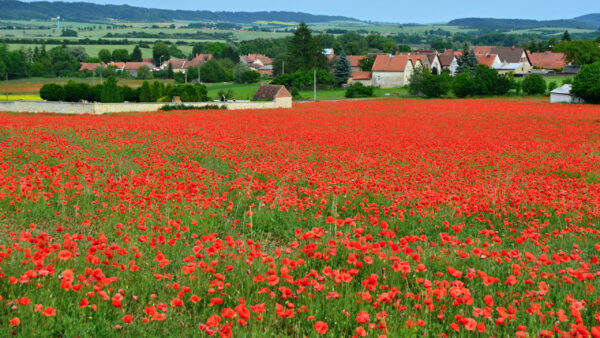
(391, 218)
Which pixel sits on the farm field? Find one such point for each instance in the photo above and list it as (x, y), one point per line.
(399, 218)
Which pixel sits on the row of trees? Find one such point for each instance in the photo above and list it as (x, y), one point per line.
(479, 81)
(110, 91)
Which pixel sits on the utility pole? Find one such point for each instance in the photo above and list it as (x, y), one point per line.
(315, 84)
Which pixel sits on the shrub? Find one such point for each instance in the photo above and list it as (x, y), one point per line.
(52, 92)
(463, 85)
(110, 91)
(586, 84)
(552, 85)
(436, 85)
(417, 80)
(75, 92)
(129, 94)
(357, 90)
(168, 107)
(534, 84)
(188, 92)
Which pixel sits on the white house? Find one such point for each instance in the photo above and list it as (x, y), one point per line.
(519, 68)
(448, 61)
(391, 71)
(563, 94)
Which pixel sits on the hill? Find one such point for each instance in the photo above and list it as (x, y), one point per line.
(592, 19)
(509, 24)
(84, 11)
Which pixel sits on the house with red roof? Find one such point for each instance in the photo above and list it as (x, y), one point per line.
(133, 67)
(362, 77)
(448, 61)
(548, 60)
(258, 62)
(91, 66)
(490, 60)
(391, 71)
(355, 62)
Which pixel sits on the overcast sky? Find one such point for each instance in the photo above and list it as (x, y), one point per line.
(391, 10)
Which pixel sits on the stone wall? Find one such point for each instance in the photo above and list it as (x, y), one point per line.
(108, 108)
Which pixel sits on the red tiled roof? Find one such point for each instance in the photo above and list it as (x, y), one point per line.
(119, 65)
(417, 57)
(271, 92)
(487, 59)
(390, 63)
(137, 65)
(548, 60)
(446, 59)
(355, 59)
(176, 63)
(148, 60)
(265, 60)
(482, 49)
(91, 66)
(360, 75)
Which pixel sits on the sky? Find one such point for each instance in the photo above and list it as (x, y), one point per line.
(428, 11)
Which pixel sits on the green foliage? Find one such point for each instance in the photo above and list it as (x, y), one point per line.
(188, 92)
(75, 92)
(158, 90)
(146, 92)
(357, 90)
(566, 36)
(342, 69)
(436, 85)
(304, 79)
(227, 95)
(136, 54)
(213, 71)
(243, 74)
(168, 107)
(105, 55)
(144, 73)
(534, 84)
(463, 84)
(229, 52)
(303, 53)
(552, 85)
(466, 61)
(68, 32)
(52, 92)
(129, 94)
(366, 64)
(110, 91)
(579, 52)
(120, 55)
(160, 52)
(417, 80)
(587, 83)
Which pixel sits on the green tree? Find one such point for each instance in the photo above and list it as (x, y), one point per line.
(586, 84)
(534, 84)
(579, 52)
(144, 73)
(146, 92)
(75, 92)
(158, 90)
(566, 36)
(417, 80)
(366, 64)
(105, 55)
(136, 55)
(466, 61)
(342, 69)
(52, 92)
(437, 86)
(110, 91)
(160, 52)
(120, 55)
(357, 90)
(463, 85)
(230, 52)
(213, 71)
(303, 53)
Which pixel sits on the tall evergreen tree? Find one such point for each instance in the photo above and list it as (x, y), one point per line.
(136, 55)
(566, 36)
(342, 69)
(467, 61)
(304, 53)
(110, 91)
(146, 92)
